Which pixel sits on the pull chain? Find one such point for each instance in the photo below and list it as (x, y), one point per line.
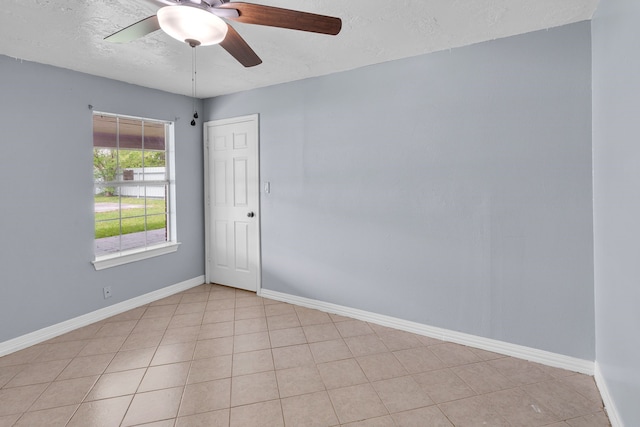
(194, 83)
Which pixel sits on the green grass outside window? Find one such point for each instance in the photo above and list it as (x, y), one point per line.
(133, 219)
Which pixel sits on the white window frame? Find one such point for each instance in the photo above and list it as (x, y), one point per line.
(172, 244)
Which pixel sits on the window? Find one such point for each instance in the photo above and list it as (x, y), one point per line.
(134, 189)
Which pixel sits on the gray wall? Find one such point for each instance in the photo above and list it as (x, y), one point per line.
(616, 107)
(46, 185)
(451, 189)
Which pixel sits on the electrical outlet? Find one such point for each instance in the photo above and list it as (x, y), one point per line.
(107, 292)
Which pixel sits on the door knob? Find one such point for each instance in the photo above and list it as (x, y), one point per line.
(251, 214)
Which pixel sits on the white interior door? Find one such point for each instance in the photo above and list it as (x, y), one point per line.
(232, 194)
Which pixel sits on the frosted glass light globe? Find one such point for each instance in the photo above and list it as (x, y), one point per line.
(192, 24)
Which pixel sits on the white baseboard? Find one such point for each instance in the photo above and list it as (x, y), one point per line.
(609, 405)
(515, 350)
(53, 331)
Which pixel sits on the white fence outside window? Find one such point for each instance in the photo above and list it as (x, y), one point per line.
(140, 174)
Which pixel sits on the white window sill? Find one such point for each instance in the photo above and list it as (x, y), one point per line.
(125, 257)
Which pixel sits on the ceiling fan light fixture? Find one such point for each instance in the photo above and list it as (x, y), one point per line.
(191, 24)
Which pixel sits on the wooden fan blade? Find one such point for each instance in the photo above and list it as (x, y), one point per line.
(135, 31)
(239, 49)
(284, 18)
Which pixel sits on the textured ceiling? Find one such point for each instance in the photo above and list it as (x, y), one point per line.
(70, 34)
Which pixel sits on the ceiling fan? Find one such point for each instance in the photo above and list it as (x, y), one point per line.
(200, 23)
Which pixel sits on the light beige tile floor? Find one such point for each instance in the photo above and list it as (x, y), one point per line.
(215, 356)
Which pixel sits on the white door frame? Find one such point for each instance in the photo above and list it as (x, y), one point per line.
(207, 195)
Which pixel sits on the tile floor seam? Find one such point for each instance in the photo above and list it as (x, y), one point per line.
(452, 421)
(184, 390)
(560, 417)
(72, 415)
(389, 411)
(124, 414)
(282, 412)
(446, 416)
(12, 377)
(584, 394)
(43, 391)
